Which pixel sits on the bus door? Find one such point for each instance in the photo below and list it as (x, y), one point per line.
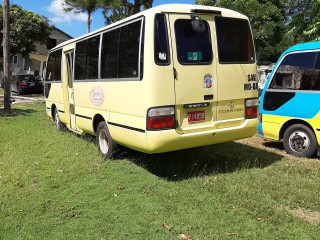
(236, 70)
(70, 104)
(193, 41)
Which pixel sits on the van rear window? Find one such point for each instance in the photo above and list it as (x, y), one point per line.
(193, 47)
(234, 40)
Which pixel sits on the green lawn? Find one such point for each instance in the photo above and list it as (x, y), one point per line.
(54, 185)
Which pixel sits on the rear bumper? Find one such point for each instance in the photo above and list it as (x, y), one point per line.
(35, 89)
(170, 140)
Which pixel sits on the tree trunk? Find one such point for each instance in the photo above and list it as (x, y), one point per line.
(136, 6)
(89, 22)
(6, 57)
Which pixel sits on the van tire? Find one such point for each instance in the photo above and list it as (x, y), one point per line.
(106, 146)
(300, 141)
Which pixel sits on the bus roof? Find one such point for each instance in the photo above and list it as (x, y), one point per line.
(166, 8)
(303, 47)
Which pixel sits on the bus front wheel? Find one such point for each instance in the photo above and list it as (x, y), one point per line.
(105, 143)
(300, 141)
(58, 124)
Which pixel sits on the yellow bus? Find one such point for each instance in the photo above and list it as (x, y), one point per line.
(172, 77)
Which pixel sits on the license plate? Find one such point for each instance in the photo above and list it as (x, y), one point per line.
(32, 84)
(196, 116)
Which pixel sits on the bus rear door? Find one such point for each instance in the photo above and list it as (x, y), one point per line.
(195, 72)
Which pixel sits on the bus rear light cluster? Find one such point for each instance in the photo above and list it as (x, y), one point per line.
(161, 118)
(251, 108)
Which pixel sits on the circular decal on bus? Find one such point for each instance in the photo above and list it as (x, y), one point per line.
(207, 81)
(96, 96)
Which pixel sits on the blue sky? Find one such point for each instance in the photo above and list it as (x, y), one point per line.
(73, 24)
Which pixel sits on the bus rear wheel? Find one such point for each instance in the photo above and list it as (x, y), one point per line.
(106, 146)
(300, 141)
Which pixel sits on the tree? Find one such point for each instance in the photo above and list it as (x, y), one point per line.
(303, 19)
(268, 27)
(6, 57)
(80, 6)
(26, 30)
(124, 9)
(86, 6)
(21, 31)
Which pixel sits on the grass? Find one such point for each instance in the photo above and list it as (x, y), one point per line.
(54, 185)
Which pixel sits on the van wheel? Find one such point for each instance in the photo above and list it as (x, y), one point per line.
(106, 146)
(58, 124)
(300, 141)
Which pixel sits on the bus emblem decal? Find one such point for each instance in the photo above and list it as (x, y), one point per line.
(96, 96)
(207, 81)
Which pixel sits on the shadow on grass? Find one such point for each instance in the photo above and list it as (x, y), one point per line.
(274, 144)
(16, 112)
(202, 161)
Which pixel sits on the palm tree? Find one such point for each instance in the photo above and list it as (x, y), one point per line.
(85, 6)
(123, 9)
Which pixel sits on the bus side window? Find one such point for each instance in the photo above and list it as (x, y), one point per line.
(296, 72)
(128, 63)
(53, 71)
(109, 54)
(161, 42)
(86, 60)
(50, 67)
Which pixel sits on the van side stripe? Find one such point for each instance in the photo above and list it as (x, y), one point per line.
(85, 117)
(127, 127)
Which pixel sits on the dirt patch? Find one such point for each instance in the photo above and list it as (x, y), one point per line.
(23, 99)
(312, 217)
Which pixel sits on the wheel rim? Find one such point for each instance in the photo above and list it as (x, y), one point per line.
(299, 141)
(57, 120)
(103, 141)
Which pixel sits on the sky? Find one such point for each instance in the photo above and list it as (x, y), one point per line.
(73, 24)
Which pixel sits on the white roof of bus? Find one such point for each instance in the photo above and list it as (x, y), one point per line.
(166, 8)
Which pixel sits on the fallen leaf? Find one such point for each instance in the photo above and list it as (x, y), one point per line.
(185, 236)
(167, 227)
(59, 170)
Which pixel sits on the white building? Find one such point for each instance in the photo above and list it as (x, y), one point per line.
(36, 62)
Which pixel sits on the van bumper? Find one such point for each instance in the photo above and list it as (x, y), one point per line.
(170, 140)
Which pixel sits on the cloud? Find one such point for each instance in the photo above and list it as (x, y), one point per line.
(60, 16)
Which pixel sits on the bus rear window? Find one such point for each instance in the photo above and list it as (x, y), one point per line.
(234, 40)
(193, 47)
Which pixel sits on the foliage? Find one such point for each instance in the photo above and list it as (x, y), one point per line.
(86, 6)
(303, 19)
(124, 9)
(267, 21)
(54, 185)
(26, 30)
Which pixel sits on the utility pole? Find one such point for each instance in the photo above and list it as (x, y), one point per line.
(6, 56)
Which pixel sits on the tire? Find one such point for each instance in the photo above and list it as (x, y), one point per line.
(106, 146)
(57, 123)
(300, 141)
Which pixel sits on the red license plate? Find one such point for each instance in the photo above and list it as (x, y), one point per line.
(196, 116)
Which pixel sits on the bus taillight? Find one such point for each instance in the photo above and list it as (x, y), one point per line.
(160, 118)
(251, 108)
